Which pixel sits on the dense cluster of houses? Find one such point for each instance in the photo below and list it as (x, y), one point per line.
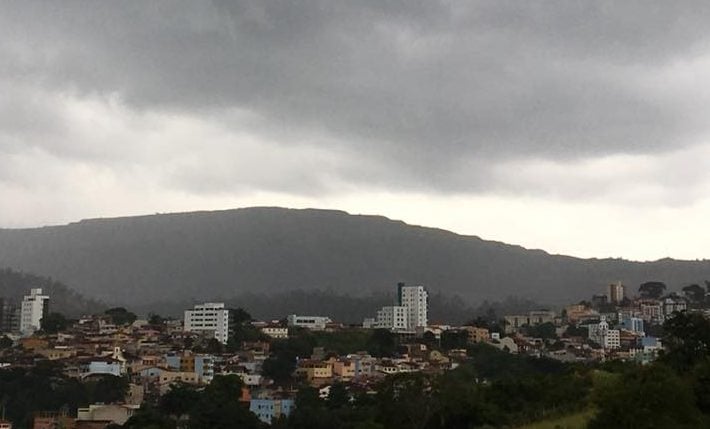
(152, 357)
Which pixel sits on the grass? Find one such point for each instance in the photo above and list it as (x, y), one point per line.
(572, 421)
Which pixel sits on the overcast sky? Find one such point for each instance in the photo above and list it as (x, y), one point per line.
(576, 127)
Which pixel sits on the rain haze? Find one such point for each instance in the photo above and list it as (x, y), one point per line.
(577, 127)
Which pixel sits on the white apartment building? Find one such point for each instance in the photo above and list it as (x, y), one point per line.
(415, 299)
(393, 317)
(605, 337)
(671, 306)
(316, 323)
(34, 308)
(210, 318)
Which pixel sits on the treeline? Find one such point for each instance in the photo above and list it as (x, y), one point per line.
(15, 284)
(25, 391)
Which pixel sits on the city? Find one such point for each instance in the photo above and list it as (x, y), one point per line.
(153, 356)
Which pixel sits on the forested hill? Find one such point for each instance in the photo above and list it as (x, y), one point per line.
(14, 285)
(222, 254)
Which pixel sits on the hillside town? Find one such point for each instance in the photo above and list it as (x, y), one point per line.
(154, 355)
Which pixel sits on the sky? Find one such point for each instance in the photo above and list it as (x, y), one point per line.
(577, 127)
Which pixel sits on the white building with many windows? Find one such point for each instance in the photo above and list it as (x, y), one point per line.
(34, 308)
(416, 301)
(210, 318)
(605, 337)
(393, 317)
(316, 323)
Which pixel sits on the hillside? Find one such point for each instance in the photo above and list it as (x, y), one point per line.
(14, 284)
(222, 254)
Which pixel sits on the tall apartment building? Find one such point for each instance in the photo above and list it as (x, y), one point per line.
(410, 312)
(416, 301)
(616, 293)
(34, 307)
(9, 316)
(210, 318)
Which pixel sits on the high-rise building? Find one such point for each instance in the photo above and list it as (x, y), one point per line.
(416, 300)
(34, 307)
(9, 316)
(210, 318)
(616, 293)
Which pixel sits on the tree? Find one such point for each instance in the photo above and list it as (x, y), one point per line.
(338, 396)
(652, 290)
(695, 293)
(646, 397)
(219, 407)
(454, 340)
(107, 389)
(155, 319)
(5, 342)
(179, 400)
(546, 331)
(383, 343)
(406, 401)
(54, 322)
(241, 316)
(279, 368)
(120, 316)
(148, 417)
(686, 340)
(214, 346)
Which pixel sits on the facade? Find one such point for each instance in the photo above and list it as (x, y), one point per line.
(117, 414)
(671, 305)
(533, 318)
(616, 293)
(278, 332)
(393, 317)
(416, 300)
(210, 318)
(101, 367)
(652, 312)
(633, 324)
(201, 365)
(605, 337)
(34, 307)
(316, 323)
(477, 335)
(271, 409)
(9, 316)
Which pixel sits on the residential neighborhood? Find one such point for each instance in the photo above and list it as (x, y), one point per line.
(272, 358)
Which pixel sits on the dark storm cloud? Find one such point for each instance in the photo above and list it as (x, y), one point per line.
(424, 94)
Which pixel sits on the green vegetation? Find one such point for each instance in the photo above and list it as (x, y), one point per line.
(45, 388)
(573, 421)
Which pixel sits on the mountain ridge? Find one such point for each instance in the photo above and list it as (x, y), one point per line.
(271, 249)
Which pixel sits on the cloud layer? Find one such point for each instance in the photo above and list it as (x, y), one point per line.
(120, 107)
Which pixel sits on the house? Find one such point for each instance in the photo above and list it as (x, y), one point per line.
(537, 317)
(275, 331)
(476, 334)
(315, 323)
(111, 413)
(316, 372)
(271, 409)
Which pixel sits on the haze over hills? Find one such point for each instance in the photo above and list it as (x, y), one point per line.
(222, 254)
